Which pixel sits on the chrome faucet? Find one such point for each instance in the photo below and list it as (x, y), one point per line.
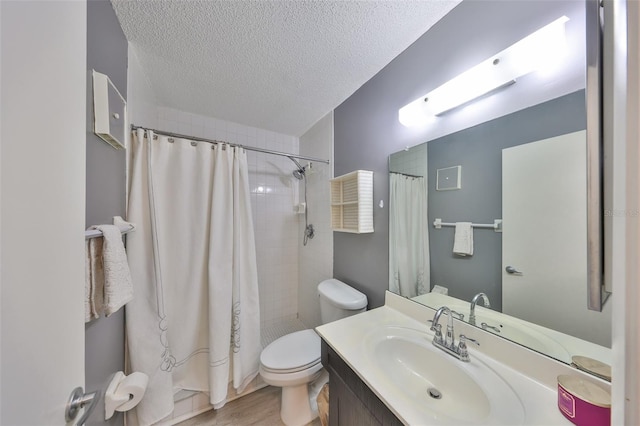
(474, 301)
(449, 340)
(447, 343)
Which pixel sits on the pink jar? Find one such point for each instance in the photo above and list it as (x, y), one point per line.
(583, 402)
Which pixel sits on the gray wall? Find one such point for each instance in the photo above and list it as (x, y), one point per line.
(479, 151)
(366, 127)
(106, 53)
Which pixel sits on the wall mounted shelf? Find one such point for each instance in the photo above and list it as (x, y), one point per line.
(109, 111)
(352, 202)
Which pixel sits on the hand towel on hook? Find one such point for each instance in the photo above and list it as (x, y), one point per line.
(463, 239)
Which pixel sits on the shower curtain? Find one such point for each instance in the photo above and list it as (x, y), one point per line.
(194, 321)
(408, 236)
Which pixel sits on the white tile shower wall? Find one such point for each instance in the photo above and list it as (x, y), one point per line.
(412, 161)
(142, 102)
(274, 193)
(316, 258)
(141, 99)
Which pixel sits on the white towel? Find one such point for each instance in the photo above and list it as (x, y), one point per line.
(118, 289)
(108, 284)
(94, 280)
(123, 224)
(463, 240)
(88, 301)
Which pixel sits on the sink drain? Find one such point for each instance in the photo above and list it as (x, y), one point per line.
(434, 393)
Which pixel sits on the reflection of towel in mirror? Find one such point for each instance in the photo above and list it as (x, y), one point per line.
(463, 239)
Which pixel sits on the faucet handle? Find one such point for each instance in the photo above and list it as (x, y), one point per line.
(486, 326)
(464, 339)
(438, 330)
(462, 347)
(458, 314)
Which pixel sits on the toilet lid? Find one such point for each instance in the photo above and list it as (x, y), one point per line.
(294, 351)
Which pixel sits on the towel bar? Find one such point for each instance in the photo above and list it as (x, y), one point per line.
(496, 225)
(94, 233)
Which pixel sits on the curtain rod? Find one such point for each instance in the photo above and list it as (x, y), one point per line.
(250, 148)
(407, 174)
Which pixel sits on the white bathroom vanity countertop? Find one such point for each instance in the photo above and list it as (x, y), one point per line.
(538, 395)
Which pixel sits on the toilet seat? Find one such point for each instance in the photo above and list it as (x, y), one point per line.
(290, 370)
(292, 353)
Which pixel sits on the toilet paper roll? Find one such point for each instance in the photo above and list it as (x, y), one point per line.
(135, 386)
(124, 392)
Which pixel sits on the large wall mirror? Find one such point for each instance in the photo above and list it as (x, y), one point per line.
(492, 220)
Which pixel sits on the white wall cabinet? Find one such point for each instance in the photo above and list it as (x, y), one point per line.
(352, 202)
(109, 111)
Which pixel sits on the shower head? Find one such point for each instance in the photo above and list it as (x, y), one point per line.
(300, 172)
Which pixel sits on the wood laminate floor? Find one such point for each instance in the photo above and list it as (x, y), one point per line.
(260, 408)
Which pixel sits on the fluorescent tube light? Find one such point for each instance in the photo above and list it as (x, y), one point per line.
(538, 51)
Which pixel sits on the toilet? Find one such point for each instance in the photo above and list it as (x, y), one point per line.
(292, 362)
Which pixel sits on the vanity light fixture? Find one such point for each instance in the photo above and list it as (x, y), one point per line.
(538, 51)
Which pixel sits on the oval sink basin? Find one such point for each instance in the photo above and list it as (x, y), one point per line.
(446, 390)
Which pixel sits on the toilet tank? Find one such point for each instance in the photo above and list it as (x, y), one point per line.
(338, 300)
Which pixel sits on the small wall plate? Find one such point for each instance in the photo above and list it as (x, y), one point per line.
(449, 179)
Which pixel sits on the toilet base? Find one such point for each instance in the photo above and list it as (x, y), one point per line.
(295, 407)
(298, 403)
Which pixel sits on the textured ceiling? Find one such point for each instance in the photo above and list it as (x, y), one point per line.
(277, 65)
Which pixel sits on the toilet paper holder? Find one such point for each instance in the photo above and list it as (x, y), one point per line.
(118, 396)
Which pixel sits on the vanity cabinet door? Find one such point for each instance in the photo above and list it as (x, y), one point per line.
(351, 402)
(345, 409)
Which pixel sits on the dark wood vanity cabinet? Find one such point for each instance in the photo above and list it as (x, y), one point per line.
(351, 402)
